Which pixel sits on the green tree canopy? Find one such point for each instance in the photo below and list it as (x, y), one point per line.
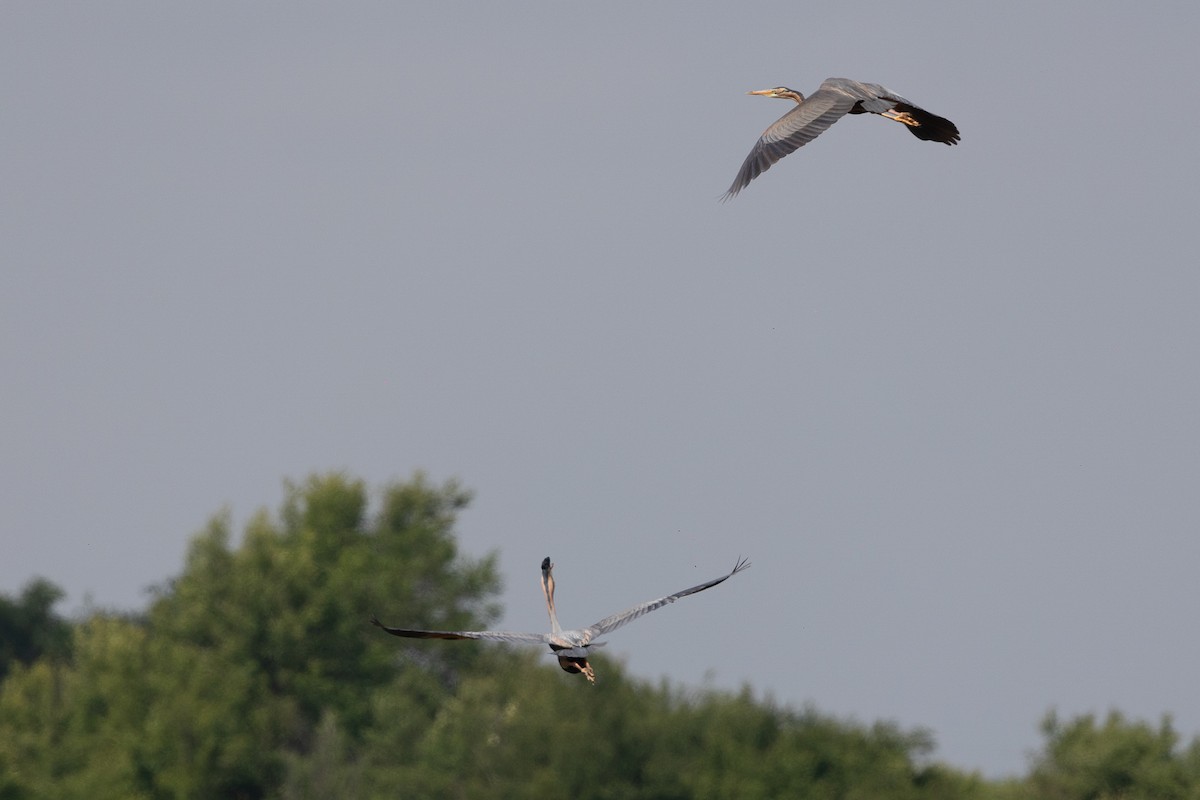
(1087, 760)
(29, 628)
(255, 673)
(247, 655)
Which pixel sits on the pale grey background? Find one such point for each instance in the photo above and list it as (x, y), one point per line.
(945, 398)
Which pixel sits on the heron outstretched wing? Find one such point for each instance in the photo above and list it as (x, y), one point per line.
(499, 636)
(793, 130)
(615, 621)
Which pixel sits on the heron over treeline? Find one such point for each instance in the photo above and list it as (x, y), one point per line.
(570, 647)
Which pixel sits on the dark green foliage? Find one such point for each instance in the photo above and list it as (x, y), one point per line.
(1085, 760)
(522, 730)
(29, 629)
(255, 674)
(251, 659)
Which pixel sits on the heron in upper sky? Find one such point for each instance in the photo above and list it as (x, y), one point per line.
(835, 98)
(571, 647)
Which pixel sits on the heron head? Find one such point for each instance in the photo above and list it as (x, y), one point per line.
(548, 590)
(782, 92)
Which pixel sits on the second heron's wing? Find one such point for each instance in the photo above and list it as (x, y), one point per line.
(794, 129)
(628, 615)
(499, 636)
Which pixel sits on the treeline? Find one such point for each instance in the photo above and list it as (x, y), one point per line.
(254, 674)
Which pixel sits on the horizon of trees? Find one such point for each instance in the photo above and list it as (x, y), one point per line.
(253, 674)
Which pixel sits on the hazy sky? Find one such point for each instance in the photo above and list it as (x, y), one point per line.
(946, 399)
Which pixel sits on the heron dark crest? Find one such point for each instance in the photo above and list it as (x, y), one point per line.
(570, 647)
(835, 98)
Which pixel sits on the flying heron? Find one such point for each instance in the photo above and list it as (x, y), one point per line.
(571, 647)
(835, 98)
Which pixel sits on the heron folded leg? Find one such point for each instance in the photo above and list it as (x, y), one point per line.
(576, 665)
(901, 116)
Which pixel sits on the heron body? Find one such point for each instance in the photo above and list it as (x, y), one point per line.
(570, 647)
(812, 115)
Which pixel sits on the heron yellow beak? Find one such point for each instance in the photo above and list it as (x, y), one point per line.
(766, 92)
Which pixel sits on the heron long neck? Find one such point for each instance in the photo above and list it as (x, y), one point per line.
(548, 590)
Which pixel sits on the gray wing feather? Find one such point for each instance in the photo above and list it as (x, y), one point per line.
(793, 130)
(499, 636)
(611, 623)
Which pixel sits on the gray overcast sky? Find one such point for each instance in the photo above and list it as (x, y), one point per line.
(947, 399)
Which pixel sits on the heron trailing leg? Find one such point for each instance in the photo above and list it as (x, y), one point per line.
(576, 666)
(900, 116)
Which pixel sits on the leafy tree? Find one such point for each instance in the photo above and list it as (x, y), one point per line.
(522, 730)
(329, 769)
(255, 674)
(295, 599)
(254, 659)
(64, 730)
(135, 717)
(29, 629)
(1084, 760)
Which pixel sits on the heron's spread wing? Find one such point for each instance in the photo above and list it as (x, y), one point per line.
(628, 615)
(794, 129)
(499, 636)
